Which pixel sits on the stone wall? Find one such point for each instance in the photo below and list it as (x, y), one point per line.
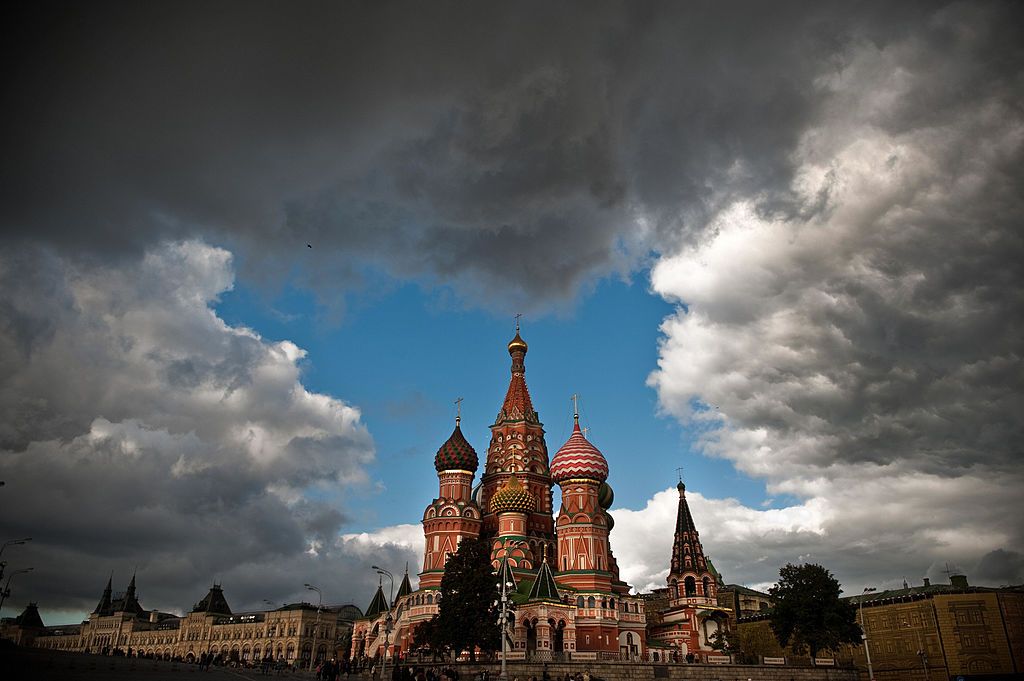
(629, 671)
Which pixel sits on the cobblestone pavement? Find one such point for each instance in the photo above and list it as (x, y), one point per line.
(17, 664)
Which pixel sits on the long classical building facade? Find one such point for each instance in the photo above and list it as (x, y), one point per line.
(120, 625)
(571, 602)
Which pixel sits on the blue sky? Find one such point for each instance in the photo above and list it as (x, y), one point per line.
(405, 354)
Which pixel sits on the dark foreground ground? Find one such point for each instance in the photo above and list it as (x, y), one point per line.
(37, 665)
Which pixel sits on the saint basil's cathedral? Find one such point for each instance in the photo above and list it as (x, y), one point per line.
(572, 602)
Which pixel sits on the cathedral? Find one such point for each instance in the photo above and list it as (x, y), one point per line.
(572, 603)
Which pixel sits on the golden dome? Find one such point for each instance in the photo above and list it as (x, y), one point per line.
(513, 497)
(517, 344)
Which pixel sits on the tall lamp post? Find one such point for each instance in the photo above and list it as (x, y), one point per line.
(316, 627)
(388, 621)
(864, 632)
(503, 621)
(12, 542)
(7, 587)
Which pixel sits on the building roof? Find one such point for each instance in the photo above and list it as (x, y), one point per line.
(686, 541)
(517, 405)
(104, 606)
(128, 602)
(379, 603)
(29, 617)
(577, 458)
(544, 588)
(213, 602)
(505, 575)
(456, 453)
(925, 591)
(406, 588)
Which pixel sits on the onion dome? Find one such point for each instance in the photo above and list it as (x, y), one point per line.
(610, 520)
(605, 496)
(456, 454)
(513, 497)
(578, 459)
(517, 344)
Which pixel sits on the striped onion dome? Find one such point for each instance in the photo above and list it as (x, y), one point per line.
(605, 496)
(456, 453)
(513, 497)
(578, 459)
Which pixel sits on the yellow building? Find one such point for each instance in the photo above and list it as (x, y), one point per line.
(942, 631)
(120, 626)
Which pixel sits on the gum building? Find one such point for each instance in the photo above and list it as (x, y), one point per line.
(120, 625)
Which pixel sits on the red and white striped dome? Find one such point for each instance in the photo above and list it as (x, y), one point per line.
(577, 458)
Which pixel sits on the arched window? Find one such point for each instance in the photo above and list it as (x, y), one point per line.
(691, 586)
(611, 604)
(579, 601)
(707, 586)
(591, 602)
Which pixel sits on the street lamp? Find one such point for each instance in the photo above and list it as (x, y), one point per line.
(7, 587)
(11, 542)
(388, 621)
(503, 619)
(864, 632)
(316, 627)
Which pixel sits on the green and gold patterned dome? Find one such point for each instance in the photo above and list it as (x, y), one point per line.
(456, 454)
(513, 497)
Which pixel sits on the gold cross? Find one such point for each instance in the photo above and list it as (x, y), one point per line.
(458, 410)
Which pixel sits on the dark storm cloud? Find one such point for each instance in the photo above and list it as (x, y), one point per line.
(139, 430)
(432, 141)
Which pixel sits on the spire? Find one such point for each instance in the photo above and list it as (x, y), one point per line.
(213, 602)
(686, 543)
(545, 589)
(103, 607)
(517, 405)
(406, 588)
(379, 603)
(506, 575)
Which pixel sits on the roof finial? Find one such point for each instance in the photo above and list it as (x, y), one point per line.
(518, 315)
(458, 411)
(575, 408)
(680, 486)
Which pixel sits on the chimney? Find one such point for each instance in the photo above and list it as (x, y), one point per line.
(958, 581)
(927, 582)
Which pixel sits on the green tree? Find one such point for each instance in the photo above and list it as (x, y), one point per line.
(808, 614)
(467, 618)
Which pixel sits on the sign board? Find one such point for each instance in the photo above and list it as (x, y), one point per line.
(824, 662)
(774, 660)
(719, 659)
(584, 656)
(513, 655)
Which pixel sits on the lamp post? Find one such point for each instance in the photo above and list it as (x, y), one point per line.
(7, 587)
(388, 621)
(503, 622)
(864, 632)
(316, 627)
(12, 542)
